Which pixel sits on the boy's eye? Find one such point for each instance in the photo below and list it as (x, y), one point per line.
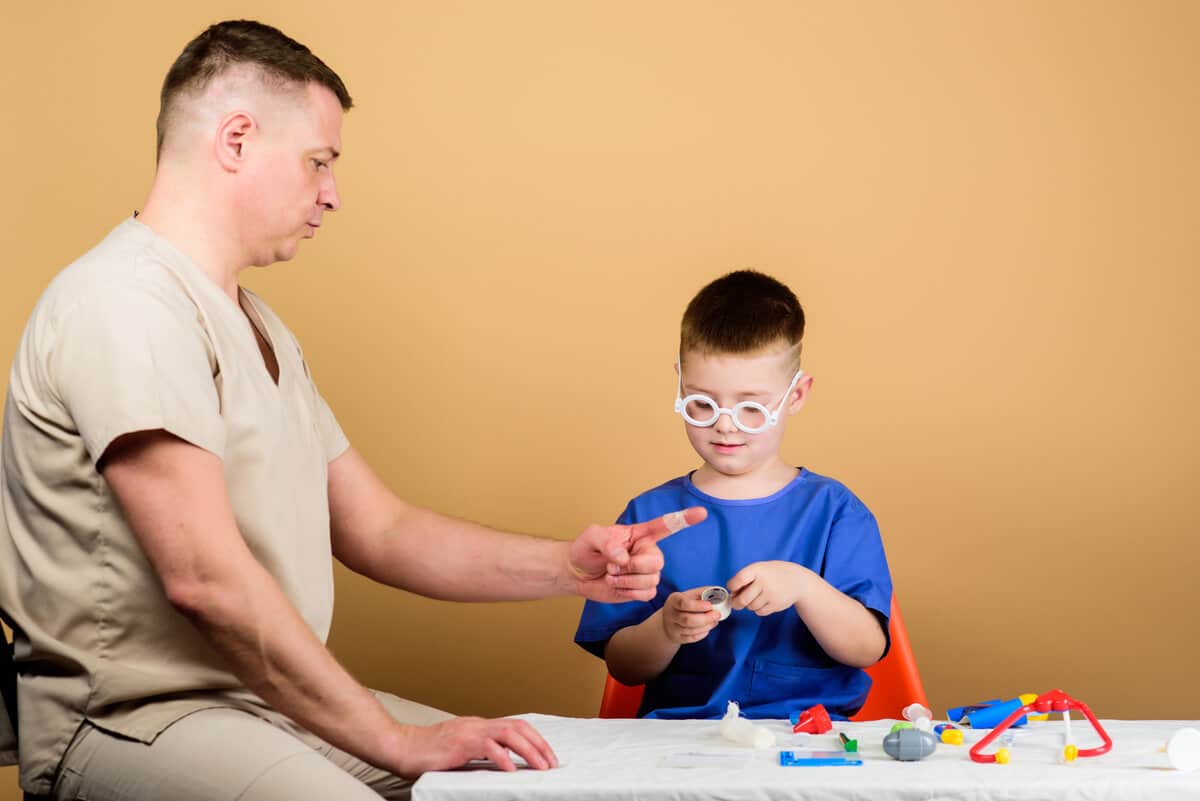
(751, 417)
(319, 164)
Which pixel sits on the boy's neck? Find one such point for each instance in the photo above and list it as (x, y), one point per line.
(761, 483)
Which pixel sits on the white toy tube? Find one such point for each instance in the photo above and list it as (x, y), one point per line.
(738, 729)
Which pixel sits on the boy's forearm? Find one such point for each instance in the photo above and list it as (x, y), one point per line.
(637, 654)
(844, 628)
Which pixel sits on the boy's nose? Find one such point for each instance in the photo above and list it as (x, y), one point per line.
(725, 424)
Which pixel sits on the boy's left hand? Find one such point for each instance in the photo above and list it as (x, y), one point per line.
(622, 563)
(767, 587)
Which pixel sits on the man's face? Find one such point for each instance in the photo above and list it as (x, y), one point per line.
(291, 185)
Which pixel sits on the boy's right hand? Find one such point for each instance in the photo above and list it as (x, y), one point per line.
(688, 618)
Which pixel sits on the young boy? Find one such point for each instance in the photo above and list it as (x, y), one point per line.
(799, 554)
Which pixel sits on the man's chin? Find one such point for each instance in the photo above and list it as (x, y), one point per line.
(286, 253)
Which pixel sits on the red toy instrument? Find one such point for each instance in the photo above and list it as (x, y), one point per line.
(1053, 701)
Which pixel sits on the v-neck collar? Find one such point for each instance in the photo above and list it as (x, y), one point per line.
(250, 311)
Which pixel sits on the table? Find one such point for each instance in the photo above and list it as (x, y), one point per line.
(622, 759)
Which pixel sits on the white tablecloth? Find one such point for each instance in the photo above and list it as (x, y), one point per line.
(623, 759)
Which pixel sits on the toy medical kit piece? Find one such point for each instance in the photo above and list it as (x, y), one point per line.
(817, 759)
(719, 598)
(847, 743)
(908, 744)
(1029, 698)
(986, 714)
(948, 733)
(1183, 750)
(920, 716)
(1053, 701)
(814, 720)
(738, 729)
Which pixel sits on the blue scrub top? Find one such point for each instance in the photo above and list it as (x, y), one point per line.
(772, 666)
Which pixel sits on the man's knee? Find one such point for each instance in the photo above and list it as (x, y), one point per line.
(211, 755)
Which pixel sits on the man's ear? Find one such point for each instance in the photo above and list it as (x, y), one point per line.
(233, 134)
(800, 394)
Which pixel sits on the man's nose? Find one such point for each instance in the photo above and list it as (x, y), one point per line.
(328, 196)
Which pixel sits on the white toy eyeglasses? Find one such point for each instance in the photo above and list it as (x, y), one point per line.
(748, 416)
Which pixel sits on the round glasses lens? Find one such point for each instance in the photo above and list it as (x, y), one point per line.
(750, 416)
(700, 411)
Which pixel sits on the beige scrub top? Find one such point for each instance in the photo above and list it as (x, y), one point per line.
(132, 337)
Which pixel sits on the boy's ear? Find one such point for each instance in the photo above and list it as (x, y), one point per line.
(800, 394)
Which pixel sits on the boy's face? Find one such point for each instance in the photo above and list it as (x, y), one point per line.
(730, 379)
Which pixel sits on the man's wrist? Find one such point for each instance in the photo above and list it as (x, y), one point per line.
(398, 749)
(570, 577)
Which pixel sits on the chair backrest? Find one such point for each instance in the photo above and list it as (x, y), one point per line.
(895, 682)
(8, 714)
(620, 700)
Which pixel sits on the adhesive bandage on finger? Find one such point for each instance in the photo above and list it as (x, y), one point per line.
(719, 598)
(676, 521)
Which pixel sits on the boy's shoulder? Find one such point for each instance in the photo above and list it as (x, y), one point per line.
(830, 485)
(664, 493)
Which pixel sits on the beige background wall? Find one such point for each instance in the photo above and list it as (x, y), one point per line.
(988, 209)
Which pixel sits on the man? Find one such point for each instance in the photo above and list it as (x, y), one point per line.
(175, 489)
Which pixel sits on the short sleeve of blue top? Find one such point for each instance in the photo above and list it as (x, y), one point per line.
(770, 665)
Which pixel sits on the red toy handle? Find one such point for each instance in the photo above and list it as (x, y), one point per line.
(1053, 701)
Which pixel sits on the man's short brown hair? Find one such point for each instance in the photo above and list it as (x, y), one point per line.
(743, 312)
(280, 58)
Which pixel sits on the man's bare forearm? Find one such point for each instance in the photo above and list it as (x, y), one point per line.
(469, 562)
(269, 647)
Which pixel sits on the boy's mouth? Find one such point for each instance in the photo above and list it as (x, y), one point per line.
(726, 447)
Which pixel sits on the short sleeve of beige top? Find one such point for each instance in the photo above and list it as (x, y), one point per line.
(134, 337)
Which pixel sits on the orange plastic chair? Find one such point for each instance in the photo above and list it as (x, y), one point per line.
(896, 682)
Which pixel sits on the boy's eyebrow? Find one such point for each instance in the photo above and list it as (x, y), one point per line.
(695, 390)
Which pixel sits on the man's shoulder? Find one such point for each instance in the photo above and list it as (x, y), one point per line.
(122, 268)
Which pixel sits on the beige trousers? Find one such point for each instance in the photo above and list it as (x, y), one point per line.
(229, 755)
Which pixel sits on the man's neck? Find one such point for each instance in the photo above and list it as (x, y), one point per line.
(198, 229)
